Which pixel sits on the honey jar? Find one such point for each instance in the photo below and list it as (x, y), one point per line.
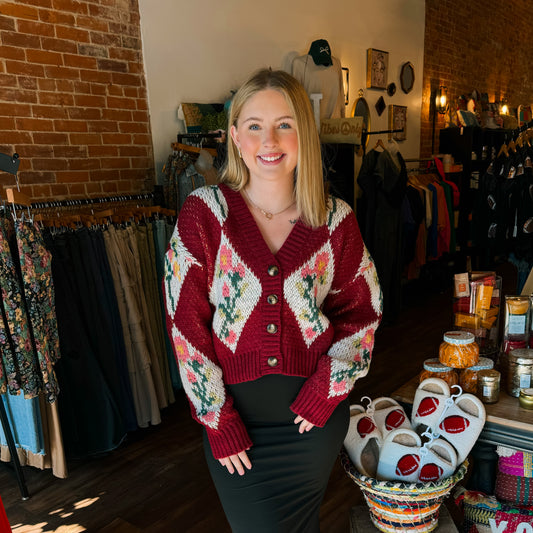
(434, 369)
(468, 377)
(459, 349)
(488, 386)
(519, 371)
(526, 398)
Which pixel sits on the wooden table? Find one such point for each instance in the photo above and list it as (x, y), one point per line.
(507, 423)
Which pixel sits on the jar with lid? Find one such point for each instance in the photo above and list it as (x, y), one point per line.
(434, 369)
(526, 398)
(468, 376)
(488, 386)
(519, 370)
(459, 349)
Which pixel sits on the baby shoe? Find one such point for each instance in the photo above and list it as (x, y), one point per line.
(429, 404)
(388, 415)
(438, 460)
(363, 441)
(462, 423)
(399, 459)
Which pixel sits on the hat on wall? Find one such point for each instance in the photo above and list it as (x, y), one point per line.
(321, 52)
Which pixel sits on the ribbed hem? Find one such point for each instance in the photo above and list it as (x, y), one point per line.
(314, 408)
(232, 440)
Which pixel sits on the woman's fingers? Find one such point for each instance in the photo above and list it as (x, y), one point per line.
(236, 462)
(304, 424)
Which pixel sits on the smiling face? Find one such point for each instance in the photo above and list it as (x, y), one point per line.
(267, 137)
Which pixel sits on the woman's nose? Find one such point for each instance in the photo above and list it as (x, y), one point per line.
(270, 137)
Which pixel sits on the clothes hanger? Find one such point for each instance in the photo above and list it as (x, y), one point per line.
(503, 150)
(379, 144)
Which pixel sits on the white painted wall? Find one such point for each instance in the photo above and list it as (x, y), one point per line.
(200, 50)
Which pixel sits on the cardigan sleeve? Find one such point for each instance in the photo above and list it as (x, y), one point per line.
(188, 261)
(354, 308)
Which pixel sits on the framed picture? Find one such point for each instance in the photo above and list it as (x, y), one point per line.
(377, 66)
(407, 77)
(398, 121)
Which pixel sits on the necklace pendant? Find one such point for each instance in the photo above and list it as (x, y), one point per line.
(268, 215)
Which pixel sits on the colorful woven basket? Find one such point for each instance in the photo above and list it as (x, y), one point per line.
(400, 507)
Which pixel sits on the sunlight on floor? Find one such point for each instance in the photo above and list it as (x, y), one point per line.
(63, 513)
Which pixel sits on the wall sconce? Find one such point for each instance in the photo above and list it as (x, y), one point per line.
(441, 100)
(504, 108)
(346, 84)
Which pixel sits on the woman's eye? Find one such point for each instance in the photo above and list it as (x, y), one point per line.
(285, 125)
(253, 127)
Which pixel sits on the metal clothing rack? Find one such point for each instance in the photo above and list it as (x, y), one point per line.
(380, 132)
(199, 136)
(47, 204)
(10, 164)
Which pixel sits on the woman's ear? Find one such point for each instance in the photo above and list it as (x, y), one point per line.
(234, 135)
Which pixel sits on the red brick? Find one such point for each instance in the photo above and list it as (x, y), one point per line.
(72, 176)
(62, 72)
(85, 138)
(36, 28)
(126, 79)
(78, 61)
(36, 176)
(71, 151)
(134, 127)
(115, 162)
(34, 124)
(44, 111)
(18, 10)
(87, 100)
(8, 80)
(95, 76)
(120, 103)
(73, 6)
(25, 69)
(84, 163)
(58, 191)
(7, 23)
(110, 187)
(21, 40)
(133, 151)
(12, 52)
(91, 23)
(103, 175)
(35, 150)
(50, 138)
(116, 138)
(72, 34)
(61, 99)
(56, 17)
(59, 45)
(106, 39)
(76, 190)
(41, 56)
(102, 126)
(26, 82)
(43, 192)
(117, 115)
(70, 125)
(54, 164)
(94, 189)
(101, 151)
(16, 95)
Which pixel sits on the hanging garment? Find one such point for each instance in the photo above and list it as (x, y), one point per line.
(384, 185)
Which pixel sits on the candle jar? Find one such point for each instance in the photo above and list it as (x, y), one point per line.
(469, 376)
(434, 369)
(526, 398)
(459, 349)
(519, 371)
(488, 386)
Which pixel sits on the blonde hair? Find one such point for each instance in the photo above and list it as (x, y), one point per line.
(309, 183)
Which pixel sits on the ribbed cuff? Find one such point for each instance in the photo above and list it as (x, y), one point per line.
(314, 408)
(230, 440)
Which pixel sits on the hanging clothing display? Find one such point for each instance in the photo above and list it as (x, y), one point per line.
(383, 180)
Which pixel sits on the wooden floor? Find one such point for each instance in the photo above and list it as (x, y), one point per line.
(158, 482)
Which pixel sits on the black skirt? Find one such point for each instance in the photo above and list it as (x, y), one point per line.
(283, 491)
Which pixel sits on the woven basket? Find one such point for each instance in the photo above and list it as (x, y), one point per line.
(399, 507)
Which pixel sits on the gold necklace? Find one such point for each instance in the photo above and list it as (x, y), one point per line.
(267, 214)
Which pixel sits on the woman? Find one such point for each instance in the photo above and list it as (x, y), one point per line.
(272, 305)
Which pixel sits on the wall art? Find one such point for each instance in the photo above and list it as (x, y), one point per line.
(377, 66)
(398, 121)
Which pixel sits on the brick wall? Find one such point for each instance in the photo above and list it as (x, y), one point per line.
(73, 100)
(476, 45)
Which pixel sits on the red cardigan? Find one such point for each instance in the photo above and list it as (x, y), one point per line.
(236, 312)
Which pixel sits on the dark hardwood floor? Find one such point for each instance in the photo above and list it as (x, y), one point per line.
(157, 481)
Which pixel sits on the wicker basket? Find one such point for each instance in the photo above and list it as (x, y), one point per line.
(399, 507)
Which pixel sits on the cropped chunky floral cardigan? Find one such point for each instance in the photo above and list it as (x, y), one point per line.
(236, 312)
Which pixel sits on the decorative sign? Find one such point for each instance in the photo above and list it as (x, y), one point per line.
(341, 130)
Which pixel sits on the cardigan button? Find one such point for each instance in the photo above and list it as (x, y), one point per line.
(272, 328)
(272, 299)
(272, 361)
(273, 270)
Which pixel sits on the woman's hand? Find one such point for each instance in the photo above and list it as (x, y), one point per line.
(236, 462)
(304, 424)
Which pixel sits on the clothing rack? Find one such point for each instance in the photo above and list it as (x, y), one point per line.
(11, 164)
(199, 136)
(91, 201)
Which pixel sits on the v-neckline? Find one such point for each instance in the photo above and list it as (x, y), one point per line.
(247, 224)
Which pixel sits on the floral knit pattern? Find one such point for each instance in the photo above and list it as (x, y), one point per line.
(305, 291)
(233, 307)
(199, 377)
(178, 261)
(234, 293)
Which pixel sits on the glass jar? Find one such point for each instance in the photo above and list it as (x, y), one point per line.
(519, 370)
(459, 349)
(526, 398)
(434, 369)
(468, 377)
(488, 386)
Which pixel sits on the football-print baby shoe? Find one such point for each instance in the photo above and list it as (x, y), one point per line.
(438, 460)
(388, 415)
(400, 459)
(363, 441)
(429, 404)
